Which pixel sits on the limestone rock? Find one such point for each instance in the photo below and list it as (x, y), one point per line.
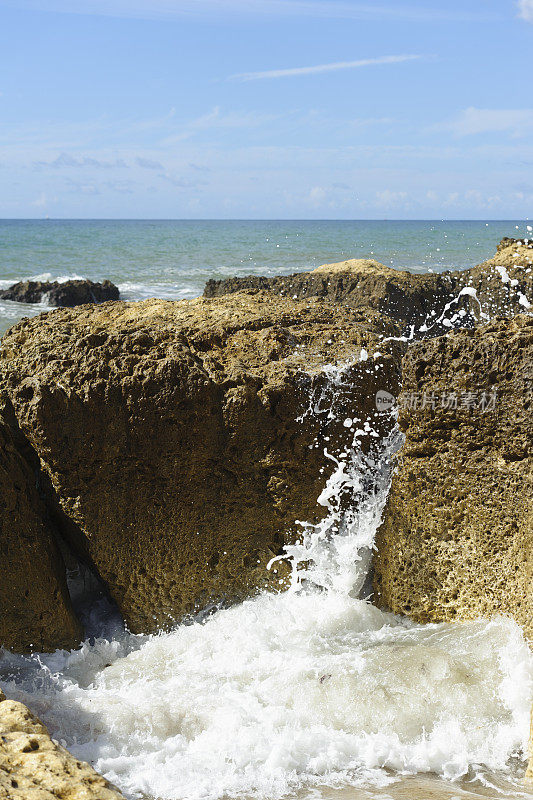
(34, 767)
(68, 293)
(180, 438)
(360, 283)
(423, 305)
(457, 536)
(508, 241)
(36, 612)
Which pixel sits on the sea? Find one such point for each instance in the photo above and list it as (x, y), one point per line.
(313, 693)
(174, 258)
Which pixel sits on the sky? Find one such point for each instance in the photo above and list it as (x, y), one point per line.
(266, 109)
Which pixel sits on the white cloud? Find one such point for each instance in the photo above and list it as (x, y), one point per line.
(338, 65)
(517, 122)
(391, 198)
(525, 9)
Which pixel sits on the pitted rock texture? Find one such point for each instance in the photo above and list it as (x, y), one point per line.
(184, 439)
(68, 293)
(36, 612)
(361, 283)
(423, 305)
(508, 241)
(34, 767)
(457, 536)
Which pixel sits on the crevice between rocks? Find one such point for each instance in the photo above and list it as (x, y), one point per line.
(91, 600)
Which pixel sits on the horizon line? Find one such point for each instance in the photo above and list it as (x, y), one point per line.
(264, 219)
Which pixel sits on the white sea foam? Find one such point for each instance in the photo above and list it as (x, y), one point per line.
(307, 688)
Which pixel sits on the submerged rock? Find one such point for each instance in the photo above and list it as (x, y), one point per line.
(184, 440)
(68, 293)
(457, 536)
(36, 612)
(423, 305)
(32, 765)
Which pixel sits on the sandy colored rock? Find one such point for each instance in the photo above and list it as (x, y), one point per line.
(457, 537)
(178, 439)
(36, 612)
(422, 304)
(358, 282)
(34, 767)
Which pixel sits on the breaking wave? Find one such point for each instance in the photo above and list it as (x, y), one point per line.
(298, 691)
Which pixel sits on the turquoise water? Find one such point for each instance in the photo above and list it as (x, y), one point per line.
(173, 259)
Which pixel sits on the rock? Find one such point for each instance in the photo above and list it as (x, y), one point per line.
(423, 305)
(507, 241)
(179, 437)
(69, 293)
(36, 609)
(457, 536)
(33, 766)
(358, 283)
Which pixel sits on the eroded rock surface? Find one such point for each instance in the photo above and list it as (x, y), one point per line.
(457, 537)
(423, 305)
(180, 437)
(68, 293)
(34, 767)
(36, 612)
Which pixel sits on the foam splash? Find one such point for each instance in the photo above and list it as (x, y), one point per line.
(309, 688)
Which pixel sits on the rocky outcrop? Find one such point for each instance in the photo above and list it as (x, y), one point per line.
(358, 283)
(34, 767)
(508, 241)
(36, 612)
(457, 536)
(183, 440)
(423, 305)
(68, 293)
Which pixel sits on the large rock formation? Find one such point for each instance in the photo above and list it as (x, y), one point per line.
(424, 305)
(34, 767)
(68, 293)
(359, 283)
(36, 612)
(181, 439)
(457, 537)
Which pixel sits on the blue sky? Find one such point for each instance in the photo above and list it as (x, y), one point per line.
(266, 109)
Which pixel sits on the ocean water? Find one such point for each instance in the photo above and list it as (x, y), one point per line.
(174, 259)
(312, 693)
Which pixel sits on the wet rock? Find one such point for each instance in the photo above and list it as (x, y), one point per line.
(183, 440)
(359, 283)
(68, 293)
(457, 536)
(36, 612)
(33, 766)
(508, 241)
(423, 305)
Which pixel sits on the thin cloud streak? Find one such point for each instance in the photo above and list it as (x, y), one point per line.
(331, 9)
(320, 68)
(473, 121)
